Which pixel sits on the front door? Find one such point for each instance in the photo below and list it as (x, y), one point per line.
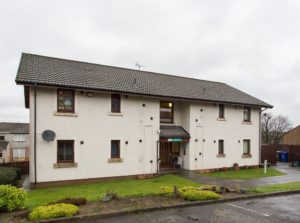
(165, 155)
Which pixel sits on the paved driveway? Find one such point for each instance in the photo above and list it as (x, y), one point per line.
(292, 175)
(266, 210)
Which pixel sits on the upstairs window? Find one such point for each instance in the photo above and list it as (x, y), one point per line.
(221, 147)
(116, 103)
(65, 100)
(246, 147)
(65, 151)
(221, 111)
(19, 138)
(166, 112)
(115, 149)
(1, 138)
(247, 114)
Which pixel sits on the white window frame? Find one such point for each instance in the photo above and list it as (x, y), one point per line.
(18, 156)
(19, 138)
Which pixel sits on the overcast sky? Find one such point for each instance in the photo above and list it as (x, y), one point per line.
(251, 45)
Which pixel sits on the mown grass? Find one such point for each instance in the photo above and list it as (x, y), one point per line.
(94, 191)
(244, 174)
(275, 188)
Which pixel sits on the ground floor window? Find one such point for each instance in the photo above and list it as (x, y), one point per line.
(115, 149)
(18, 154)
(246, 146)
(221, 147)
(1, 154)
(65, 151)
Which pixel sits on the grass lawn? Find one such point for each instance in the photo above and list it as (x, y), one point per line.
(244, 174)
(275, 188)
(124, 188)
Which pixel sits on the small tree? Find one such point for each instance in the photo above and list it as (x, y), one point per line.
(273, 128)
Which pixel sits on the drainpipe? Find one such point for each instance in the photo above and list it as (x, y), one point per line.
(157, 156)
(259, 157)
(34, 136)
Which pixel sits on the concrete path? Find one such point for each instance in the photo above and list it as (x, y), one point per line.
(264, 210)
(292, 175)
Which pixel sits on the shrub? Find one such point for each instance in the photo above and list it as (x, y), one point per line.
(10, 175)
(75, 201)
(53, 211)
(198, 195)
(11, 198)
(188, 188)
(166, 191)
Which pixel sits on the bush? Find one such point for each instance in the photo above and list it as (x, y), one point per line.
(75, 201)
(53, 211)
(10, 175)
(11, 198)
(198, 195)
(166, 191)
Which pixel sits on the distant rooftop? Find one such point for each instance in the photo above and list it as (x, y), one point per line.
(14, 128)
(55, 72)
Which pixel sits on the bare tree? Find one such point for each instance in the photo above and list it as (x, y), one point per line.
(273, 128)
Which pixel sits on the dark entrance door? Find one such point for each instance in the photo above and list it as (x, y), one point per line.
(165, 155)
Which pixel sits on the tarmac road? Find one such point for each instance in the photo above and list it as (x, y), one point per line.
(265, 210)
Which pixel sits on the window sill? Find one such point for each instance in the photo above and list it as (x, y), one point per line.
(115, 160)
(115, 114)
(246, 156)
(64, 165)
(246, 122)
(221, 155)
(69, 114)
(221, 119)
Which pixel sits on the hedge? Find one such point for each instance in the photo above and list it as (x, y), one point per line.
(9, 175)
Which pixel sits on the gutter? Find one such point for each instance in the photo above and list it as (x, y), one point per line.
(29, 83)
(34, 136)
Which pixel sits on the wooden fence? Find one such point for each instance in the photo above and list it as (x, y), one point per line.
(269, 152)
(22, 165)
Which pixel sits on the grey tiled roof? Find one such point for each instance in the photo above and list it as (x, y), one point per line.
(57, 72)
(173, 131)
(14, 128)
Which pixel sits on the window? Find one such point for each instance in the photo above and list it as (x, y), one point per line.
(19, 138)
(1, 154)
(65, 151)
(115, 149)
(115, 103)
(65, 100)
(166, 112)
(221, 147)
(1, 137)
(247, 114)
(246, 147)
(221, 111)
(19, 154)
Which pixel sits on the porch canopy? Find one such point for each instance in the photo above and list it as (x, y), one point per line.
(173, 133)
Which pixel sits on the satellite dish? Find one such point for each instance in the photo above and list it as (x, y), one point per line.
(48, 135)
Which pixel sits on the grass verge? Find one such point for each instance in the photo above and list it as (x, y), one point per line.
(275, 188)
(244, 174)
(94, 191)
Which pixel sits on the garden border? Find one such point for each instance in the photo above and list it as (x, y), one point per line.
(176, 206)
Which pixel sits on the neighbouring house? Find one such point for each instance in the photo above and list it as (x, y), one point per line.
(292, 137)
(14, 142)
(94, 121)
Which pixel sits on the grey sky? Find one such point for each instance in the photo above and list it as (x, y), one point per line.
(251, 45)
